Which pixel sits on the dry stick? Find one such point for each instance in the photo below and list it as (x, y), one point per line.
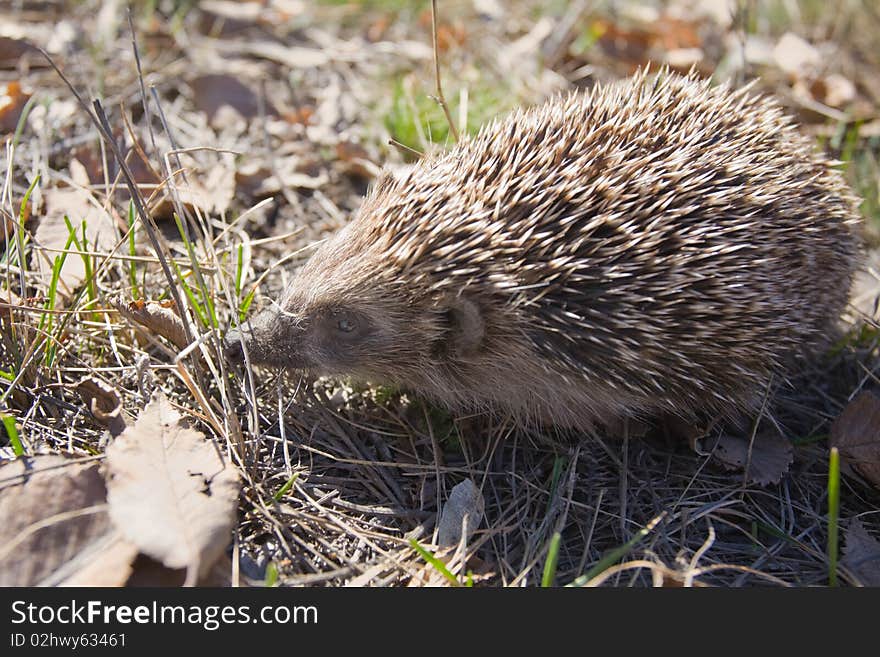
(441, 100)
(137, 62)
(100, 120)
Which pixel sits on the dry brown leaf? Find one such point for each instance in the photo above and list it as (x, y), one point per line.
(157, 317)
(52, 234)
(12, 102)
(856, 433)
(833, 90)
(465, 499)
(103, 402)
(12, 50)
(259, 181)
(356, 161)
(51, 509)
(771, 456)
(169, 491)
(211, 92)
(861, 553)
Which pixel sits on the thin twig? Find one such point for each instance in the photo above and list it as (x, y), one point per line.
(404, 148)
(440, 98)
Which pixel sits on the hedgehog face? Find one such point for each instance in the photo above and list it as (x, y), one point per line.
(323, 338)
(368, 335)
(328, 338)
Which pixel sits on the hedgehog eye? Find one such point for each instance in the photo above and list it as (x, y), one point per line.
(346, 325)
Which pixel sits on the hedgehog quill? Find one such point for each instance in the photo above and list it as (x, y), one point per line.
(658, 245)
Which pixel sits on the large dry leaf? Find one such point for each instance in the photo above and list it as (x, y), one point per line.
(856, 433)
(169, 491)
(108, 562)
(51, 509)
(464, 500)
(861, 554)
(771, 456)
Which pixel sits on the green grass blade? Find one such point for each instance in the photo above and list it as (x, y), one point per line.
(190, 294)
(618, 553)
(434, 561)
(286, 487)
(239, 266)
(19, 236)
(248, 300)
(833, 513)
(271, 575)
(12, 433)
(51, 297)
(200, 283)
(132, 251)
(552, 561)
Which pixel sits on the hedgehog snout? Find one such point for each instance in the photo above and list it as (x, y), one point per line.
(233, 348)
(269, 338)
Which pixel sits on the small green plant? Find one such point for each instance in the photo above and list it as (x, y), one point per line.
(549, 575)
(12, 434)
(439, 565)
(618, 553)
(202, 303)
(416, 120)
(46, 318)
(132, 251)
(271, 575)
(82, 245)
(833, 514)
(286, 487)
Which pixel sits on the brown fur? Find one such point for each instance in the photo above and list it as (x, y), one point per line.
(658, 245)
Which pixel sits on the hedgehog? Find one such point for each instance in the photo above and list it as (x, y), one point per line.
(658, 246)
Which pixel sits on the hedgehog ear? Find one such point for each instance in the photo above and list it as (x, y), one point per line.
(466, 327)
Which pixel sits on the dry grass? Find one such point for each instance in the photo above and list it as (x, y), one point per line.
(370, 469)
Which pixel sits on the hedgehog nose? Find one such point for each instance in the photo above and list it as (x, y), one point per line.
(233, 348)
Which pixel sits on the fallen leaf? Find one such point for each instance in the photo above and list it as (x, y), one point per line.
(861, 553)
(355, 160)
(291, 56)
(211, 92)
(771, 456)
(260, 182)
(856, 433)
(51, 509)
(169, 491)
(12, 102)
(465, 499)
(108, 562)
(12, 50)
(103, 402)
(158, 318)
(833, 90)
